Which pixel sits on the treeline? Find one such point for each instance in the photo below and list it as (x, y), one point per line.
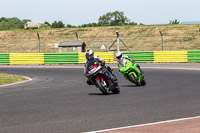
(12, 23)
(115, 18)
(112, 19)
(109, 19)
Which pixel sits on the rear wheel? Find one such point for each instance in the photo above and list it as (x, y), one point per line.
(135, 80)
(143, 82)
(116, 90)
(102, 86)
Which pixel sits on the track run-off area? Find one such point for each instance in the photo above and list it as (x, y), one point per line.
(58, 100)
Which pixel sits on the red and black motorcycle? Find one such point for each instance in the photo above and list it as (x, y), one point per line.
(100, 77)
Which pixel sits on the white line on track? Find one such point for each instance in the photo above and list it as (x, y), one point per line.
(29, 79)
(142, 125)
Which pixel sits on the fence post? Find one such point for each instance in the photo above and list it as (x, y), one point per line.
(76, 37)
(118, 47)
(161, 40)
(38, 42)
(107, 45)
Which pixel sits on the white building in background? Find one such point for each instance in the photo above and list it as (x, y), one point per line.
(33, 25)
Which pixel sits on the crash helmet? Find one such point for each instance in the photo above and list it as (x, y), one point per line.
(119, 55)
(89, 55)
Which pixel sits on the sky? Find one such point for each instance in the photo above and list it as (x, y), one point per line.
(78, 12)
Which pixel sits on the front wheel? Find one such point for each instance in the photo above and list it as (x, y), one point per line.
(102, 86)
(135, 80)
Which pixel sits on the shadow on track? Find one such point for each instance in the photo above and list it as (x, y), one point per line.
(128, 86)
(100, 94)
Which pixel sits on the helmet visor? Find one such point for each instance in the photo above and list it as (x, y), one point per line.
(89, 57)
(120, 56)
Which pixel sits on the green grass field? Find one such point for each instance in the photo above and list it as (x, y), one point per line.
(7, 78)
(137, 38)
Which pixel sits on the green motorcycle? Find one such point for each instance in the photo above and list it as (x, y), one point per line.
(131, 72)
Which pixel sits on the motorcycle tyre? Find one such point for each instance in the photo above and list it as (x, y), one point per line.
(135, 80)
(101, 87)
(143, 83)
(116, 90)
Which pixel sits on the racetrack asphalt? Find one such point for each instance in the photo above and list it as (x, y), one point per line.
(58, 100)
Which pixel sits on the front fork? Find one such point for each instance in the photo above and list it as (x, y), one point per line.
(136, 72)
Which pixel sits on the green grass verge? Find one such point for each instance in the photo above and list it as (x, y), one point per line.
(7, 78)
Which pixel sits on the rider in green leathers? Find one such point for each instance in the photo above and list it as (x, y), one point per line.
(120, 56)
(130, 70)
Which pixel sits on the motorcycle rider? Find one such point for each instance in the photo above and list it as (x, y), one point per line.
(89, 57)
(120, 56)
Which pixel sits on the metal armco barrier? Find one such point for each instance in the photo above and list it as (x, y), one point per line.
(61, 58)
(26, 58)
(4, 59)
(170, 56)
(78, 58)
(141, 57)
(107, 56)
(193, 56)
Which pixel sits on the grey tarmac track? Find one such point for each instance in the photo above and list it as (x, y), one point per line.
(58, 100)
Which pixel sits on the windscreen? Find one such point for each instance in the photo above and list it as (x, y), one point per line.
(90, 64)
(123, 62)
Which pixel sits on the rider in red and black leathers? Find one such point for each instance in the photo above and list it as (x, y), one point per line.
(90, 56)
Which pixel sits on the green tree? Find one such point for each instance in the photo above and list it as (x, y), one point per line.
(26, 20)
(113, 19)
(54, 24)
(15, 23)
(11, 23)
(4, 25)
(58, 24)
(47, 23)
(174, 22)
(3, 19)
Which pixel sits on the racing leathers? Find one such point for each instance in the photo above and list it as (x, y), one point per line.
(102, 62)
(97, 58)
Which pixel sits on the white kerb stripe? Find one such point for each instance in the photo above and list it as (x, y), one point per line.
(148, 124)
(29, 79)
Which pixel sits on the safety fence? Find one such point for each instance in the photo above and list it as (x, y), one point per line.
(79, 58)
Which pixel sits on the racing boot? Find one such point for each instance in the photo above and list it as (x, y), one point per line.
(115, 80)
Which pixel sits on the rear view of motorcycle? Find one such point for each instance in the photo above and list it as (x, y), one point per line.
(100, 77)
